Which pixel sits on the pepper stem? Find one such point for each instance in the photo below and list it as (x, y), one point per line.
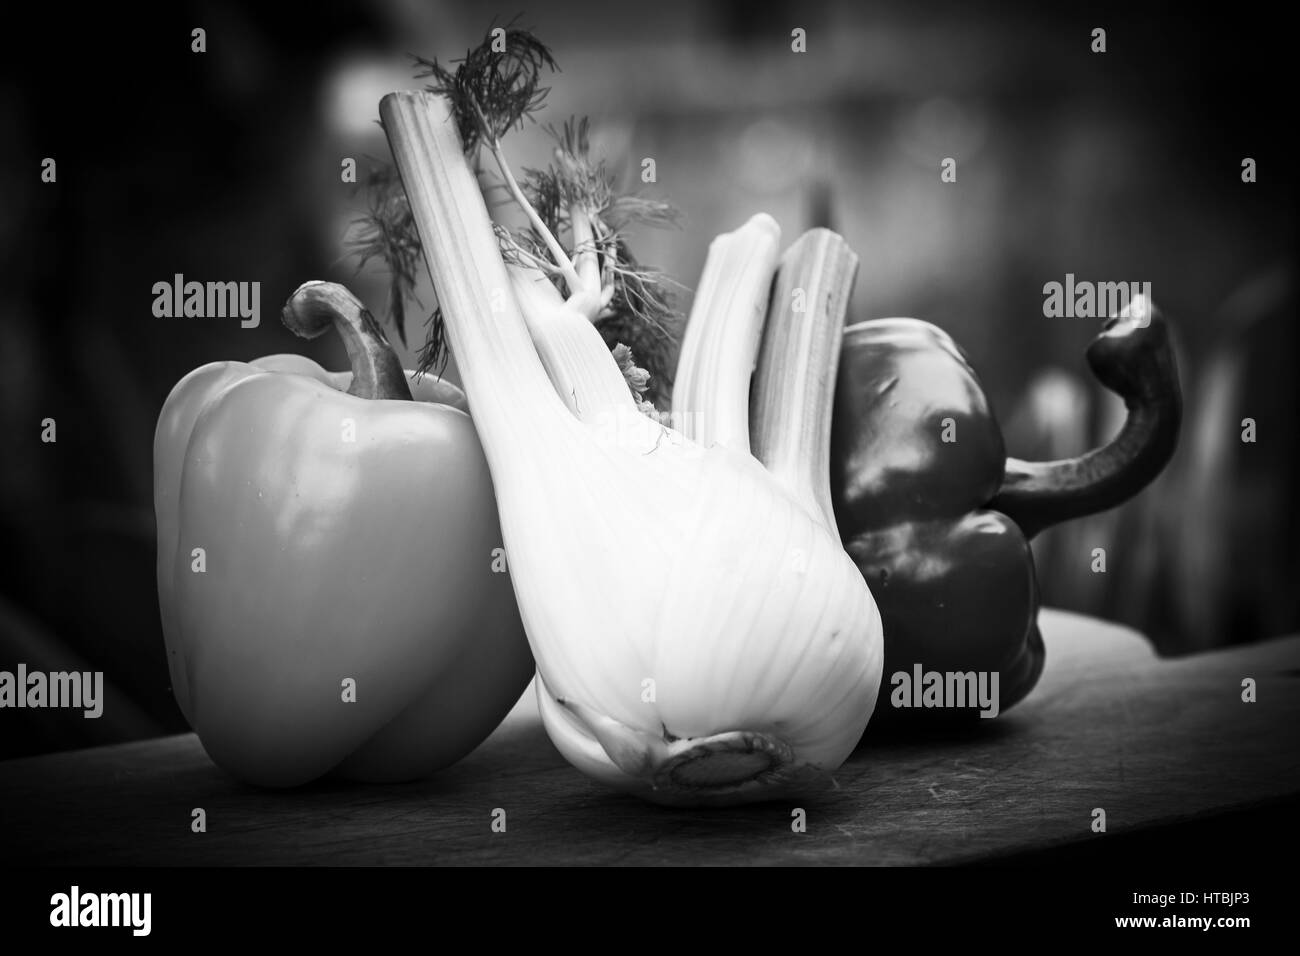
(1132, 357)
(376, 371)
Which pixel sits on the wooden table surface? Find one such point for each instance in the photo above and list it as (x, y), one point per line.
(1151, 741)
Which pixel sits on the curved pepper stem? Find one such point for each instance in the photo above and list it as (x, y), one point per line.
(376, 371)
(1132, 357)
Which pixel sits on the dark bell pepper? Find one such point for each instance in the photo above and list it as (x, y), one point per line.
(938, 519)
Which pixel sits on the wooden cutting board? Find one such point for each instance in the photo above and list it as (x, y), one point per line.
(1110, 726)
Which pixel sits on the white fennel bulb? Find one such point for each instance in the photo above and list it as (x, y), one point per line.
(700, 635)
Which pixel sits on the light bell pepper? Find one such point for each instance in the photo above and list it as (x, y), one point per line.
(331, 595)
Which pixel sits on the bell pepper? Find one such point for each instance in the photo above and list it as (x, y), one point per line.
(326, 552)
(938, 519)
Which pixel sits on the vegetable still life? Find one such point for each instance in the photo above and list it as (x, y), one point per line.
(716, 595)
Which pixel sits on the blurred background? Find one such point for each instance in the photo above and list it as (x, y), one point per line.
(226, 166)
